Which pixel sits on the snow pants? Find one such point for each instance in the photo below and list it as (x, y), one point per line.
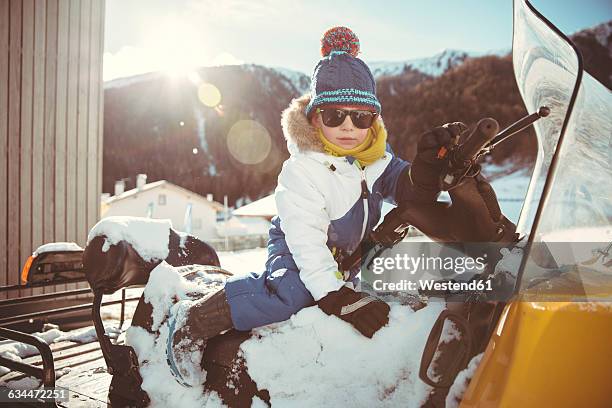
(258, 299)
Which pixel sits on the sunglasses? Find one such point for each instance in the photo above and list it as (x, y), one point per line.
(333, 117)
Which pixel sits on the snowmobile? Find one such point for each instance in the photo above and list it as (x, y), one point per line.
(546, 342)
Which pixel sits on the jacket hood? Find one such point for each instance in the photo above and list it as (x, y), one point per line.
(301, 136)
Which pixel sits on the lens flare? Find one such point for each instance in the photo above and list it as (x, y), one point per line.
(249, 142)
(209, 95)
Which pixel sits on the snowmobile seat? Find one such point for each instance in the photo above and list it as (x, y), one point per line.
(226, 372)
(116, 267)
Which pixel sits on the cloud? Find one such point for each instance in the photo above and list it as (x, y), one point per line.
(225, 58)
(129, 61)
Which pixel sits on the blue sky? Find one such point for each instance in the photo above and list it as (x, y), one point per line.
(151, 35)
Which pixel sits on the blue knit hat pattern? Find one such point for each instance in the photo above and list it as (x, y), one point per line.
(340, 78)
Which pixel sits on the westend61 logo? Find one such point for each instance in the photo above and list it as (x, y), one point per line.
(422, 267)
(412, 264)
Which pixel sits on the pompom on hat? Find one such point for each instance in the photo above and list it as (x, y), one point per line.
(341, 78)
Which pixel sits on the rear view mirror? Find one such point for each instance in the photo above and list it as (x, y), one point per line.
(444, 357)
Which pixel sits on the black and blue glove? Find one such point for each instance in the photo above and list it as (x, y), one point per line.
(366, 313)
(427, 166)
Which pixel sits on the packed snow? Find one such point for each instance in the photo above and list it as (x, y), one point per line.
(17, 351)
(26, 383)
(243, 262)
(148, 236)
(460, 385)
(305, 361)
(57, 246)
(88, 334)
(166, 286)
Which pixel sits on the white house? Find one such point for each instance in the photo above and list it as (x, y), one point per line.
(262, 208)
(256, 216)
(188, 211)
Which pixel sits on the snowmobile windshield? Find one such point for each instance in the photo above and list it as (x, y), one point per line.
(567, 213)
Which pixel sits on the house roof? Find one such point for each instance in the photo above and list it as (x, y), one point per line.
(163, 184)
(264, 207)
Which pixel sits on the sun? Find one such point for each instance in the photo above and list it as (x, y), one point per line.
(178, 47)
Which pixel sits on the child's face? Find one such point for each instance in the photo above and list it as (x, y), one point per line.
(346, 135)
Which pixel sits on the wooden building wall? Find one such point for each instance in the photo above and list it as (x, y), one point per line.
(51, 102)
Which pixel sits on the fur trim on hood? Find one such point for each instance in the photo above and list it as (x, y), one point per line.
(297, 129)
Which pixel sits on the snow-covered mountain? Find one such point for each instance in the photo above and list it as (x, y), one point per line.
(298, 79)
(433, 66)
(126, 81)
(602, 33)
(595, 45)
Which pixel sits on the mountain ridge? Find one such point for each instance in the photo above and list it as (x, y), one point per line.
(157, 125)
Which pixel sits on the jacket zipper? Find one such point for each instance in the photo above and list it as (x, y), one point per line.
(364, 196)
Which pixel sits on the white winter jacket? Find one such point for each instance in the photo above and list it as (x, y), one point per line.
(326, 204)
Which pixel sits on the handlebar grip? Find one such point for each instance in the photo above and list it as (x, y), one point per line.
(485, 131)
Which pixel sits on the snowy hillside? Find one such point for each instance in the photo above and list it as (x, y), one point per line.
(127, 81)
(602, 33)
(298, 79)
(434, 66)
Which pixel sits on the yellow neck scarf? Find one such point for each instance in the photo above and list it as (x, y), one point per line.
(370, 150)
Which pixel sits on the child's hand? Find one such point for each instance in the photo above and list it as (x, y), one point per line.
(441, 136)
(366, 313)
(428, 165)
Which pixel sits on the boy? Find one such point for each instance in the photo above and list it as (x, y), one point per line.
(329, 197)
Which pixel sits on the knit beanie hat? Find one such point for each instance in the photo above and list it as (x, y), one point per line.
(340, 78)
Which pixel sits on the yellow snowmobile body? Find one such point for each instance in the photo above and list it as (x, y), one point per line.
(548, 353)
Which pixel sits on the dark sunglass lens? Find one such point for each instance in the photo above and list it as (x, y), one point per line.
(362, 119)
(333, 117)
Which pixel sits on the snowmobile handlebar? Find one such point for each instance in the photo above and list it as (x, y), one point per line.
(461, 159)
(485, 131)
(517, 126)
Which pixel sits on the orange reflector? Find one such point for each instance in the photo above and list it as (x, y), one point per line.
(26, 270)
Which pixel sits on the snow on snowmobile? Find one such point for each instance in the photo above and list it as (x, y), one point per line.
(545, 342)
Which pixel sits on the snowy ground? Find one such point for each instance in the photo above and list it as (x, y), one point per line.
(51, 334)
(511, 190)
